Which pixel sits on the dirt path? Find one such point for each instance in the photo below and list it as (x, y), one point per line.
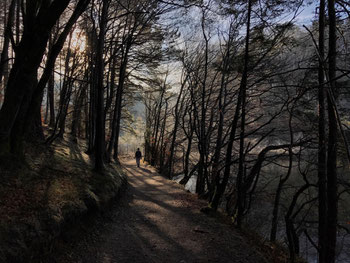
(156, 221)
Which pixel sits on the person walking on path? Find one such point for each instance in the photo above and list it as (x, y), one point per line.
(138, 156)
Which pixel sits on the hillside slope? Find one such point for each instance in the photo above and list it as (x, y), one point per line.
(52, 190)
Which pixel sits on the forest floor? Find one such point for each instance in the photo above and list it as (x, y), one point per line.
(156, 220)
(51, 189)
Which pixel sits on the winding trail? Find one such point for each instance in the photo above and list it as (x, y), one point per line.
(155, 221)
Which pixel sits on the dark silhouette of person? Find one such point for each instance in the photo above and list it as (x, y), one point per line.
(138, 156)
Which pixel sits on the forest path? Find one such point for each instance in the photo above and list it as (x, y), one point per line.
(155, 221)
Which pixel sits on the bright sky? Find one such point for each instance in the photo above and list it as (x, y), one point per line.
(307, 14)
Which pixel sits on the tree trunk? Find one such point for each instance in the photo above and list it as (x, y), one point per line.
(200, 185)
(275, 211)
(293, 240)
(64, 95)
(221, 187)
(162, 135)
(154, 150)
(188, 152)
(64, 109)
(92, 41)
(332, 190)
(51, 99)
(100, 118)
(112, 73)
(240, 176)
(173, 139)
(18, 15)
(114, 140)
(76, 119)
(221, 112)
(322, 178)
(4, 59)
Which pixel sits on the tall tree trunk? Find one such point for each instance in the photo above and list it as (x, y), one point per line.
(322, 175)
(332, 194)
(240, 176)
(92, 110)
(241, 96)
(91, 124)
(200, 185)
(100, 118)
(114, 140)
(221, 112)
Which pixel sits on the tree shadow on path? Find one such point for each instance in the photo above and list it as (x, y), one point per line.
(151, 223)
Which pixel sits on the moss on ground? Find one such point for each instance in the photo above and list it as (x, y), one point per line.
(53, 189)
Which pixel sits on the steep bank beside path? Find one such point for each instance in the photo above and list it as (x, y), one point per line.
(156, 221)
